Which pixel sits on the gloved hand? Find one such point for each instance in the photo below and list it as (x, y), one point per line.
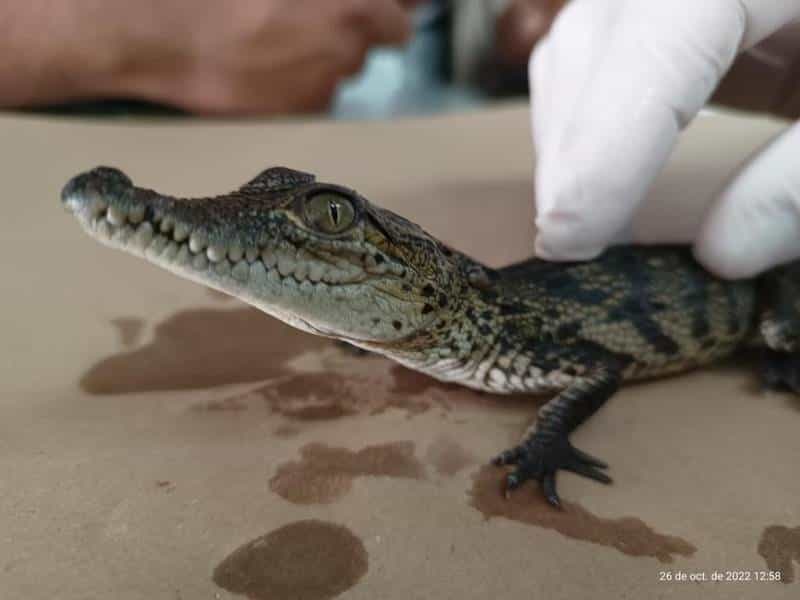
(612, 86)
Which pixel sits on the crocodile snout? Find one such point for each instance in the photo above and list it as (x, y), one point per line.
(95, 188)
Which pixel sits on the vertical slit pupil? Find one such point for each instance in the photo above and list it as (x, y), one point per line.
(334, 210)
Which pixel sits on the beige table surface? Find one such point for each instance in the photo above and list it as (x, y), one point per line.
(160, 441)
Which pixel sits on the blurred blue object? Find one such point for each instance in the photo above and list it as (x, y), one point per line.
(409, 80)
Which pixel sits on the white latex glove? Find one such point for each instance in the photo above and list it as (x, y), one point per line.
(612, 86)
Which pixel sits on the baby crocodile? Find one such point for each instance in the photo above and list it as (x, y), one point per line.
(325, 260)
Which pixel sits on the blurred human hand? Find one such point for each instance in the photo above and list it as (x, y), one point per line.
(613, 84)
(223, 57)
(521, 24)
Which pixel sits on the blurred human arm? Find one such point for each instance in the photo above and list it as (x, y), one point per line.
(212, 56)
(519, 26)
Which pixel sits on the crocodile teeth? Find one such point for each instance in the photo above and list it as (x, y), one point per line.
(136, 214)
(301, 270)
(241, 271)
(316, 271)
(181, 232)
(122, 235)
(167, 223)
(104, 229)
(200, 262)
(157, 246)
(171, 252)
(184, 256)
(197, 241)
(115, 216)
(235, 253)
(269, 258)
(258, 274)
(144, 235)
(215, 253)
(223, 268)
(286, 264)
(275, 279)
(332, 276)
(302, 264)
(251, 254)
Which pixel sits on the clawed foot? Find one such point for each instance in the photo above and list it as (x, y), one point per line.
(536, 460)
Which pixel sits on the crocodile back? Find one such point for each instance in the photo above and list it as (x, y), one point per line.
(654, 307)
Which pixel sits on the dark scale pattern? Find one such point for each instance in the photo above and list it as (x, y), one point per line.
(647, 303)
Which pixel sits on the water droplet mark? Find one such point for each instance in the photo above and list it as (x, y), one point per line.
(304, 560)
(448, 456)
(202, 348)
(628, 535)
(779, 546)
(324, 473)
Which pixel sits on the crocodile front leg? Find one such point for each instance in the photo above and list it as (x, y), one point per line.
(545, 447)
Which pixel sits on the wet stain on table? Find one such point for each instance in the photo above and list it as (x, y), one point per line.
(411, 383)
(202, 348)
(222, 405)
(303, 377)
(779, 546)
(325, 396)
(628, 535)
(285, 431)
(313, 396)
(324, 473)
(448, 456)
(304, 560)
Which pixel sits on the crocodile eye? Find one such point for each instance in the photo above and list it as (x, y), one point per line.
(329, 212)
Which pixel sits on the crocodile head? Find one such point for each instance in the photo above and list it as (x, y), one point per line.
(317, 256)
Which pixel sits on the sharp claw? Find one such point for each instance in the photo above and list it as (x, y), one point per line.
(588, 458)
(549, 490)
(600, 476)
(588, 471)
(508, 457)
(512, 482)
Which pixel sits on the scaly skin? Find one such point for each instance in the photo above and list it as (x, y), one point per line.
(322, 258)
